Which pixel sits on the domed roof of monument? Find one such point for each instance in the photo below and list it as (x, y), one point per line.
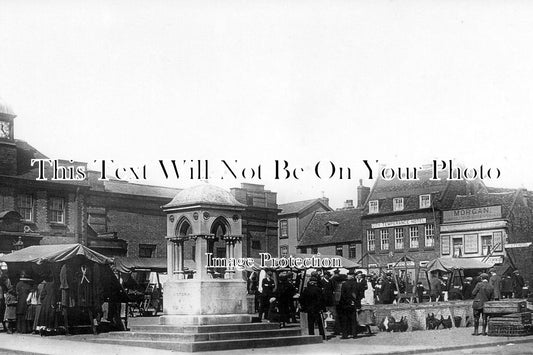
(5, 109)
(204, 194)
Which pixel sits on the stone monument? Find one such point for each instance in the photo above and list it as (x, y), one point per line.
(204, 214)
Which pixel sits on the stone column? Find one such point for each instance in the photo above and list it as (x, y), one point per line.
(201, 258)
(180, 261)
(170, 258)
(228, 272)
(237, 253)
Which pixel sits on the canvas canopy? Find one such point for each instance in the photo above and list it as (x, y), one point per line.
(449, 264)
(39, 254)
(128, 265)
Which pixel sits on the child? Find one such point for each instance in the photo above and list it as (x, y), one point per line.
(10, 316)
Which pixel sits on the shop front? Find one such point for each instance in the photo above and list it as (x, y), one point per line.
(478, 233)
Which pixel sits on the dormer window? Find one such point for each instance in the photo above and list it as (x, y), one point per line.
(373, 206)
(397, 204)
(330, 227)
(425, 201)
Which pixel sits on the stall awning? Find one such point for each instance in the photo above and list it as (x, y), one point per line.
(54, 253)
(448, 264)
(129, 264)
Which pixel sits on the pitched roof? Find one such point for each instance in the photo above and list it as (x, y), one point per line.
(504, 199)
(299, 206)
(348, 229)
(128, 188)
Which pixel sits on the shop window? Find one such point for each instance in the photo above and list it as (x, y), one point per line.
(397, 204)
(25, 206)
(457, 247)
(338, 250)
(146, 250)
(370, 240)
(486, 244)
(373, 206)
(314, 250)
(429, 232)
(384, 236)
(425, 201)
(256, 244)
(413, 237)
(352, 251)
(57, 210)
(303, 250)
(284, 228)
(398, 238)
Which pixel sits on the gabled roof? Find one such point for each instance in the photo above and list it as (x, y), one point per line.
(442, 191)
(300, 206)
(348, 229)
(504, 199)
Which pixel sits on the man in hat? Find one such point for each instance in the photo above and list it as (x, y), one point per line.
(518, 284)
(267, 292)
(496, 282)
(22, 289)
(348, 304)
(482, 293)
(312, 302)
(435, 287)
(467, 289)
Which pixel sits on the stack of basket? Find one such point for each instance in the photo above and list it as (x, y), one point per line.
(508, 318)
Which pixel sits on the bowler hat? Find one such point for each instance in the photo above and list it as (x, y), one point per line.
(351, 272)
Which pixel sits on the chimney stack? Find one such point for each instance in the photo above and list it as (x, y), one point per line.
(362, 194)
(348, 205)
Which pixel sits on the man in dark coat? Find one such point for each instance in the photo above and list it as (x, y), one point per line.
(22, 288)
(467, 289)
(436, 287)
(312, 302)
(386, 294)
(482, 293)
(518, 284)
(348, 304)
(496, 282)
(507, 287)
(267, 292)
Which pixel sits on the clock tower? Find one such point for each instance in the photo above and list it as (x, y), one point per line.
(8, 149)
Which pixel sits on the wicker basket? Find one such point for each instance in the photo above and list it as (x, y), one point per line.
(504, 307)
(508, 329)
(522, 318)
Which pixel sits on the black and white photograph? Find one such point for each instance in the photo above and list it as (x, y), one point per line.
(266, 176)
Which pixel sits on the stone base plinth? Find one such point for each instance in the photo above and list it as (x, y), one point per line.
(203, 298)
(205, 319)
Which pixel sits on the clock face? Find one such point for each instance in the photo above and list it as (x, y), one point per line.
(5, 129)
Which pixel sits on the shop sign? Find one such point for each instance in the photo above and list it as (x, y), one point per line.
(494, 260)
(517, 245)
(472, 214)
(406, 222)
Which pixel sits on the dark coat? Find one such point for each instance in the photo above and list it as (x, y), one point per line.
(496, 282)
(23, 289)
(312, 298)
(482, 293)
(518, 283)
(386, 292)
(329, 292)
(467, 291)
(349, 295)
(284, 295)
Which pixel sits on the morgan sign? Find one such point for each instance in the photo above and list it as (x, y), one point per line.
(473, 214)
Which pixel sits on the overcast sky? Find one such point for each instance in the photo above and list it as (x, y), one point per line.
(402, 82)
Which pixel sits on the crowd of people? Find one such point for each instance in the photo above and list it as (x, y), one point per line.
(26, 307)
(342, 296)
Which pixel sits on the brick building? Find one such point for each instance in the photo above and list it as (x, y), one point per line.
(35, 212)
(293, 219)
(259, 219)
(494, 226)
(401, 218)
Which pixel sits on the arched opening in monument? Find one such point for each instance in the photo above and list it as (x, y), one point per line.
(217, 245)
(184, 228)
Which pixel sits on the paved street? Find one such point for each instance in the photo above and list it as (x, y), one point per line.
(455, 341)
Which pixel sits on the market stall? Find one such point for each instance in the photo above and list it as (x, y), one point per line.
(78, 280)
(143, 278)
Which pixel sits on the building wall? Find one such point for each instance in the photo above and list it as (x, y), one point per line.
(139, 228)
(422, 253)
